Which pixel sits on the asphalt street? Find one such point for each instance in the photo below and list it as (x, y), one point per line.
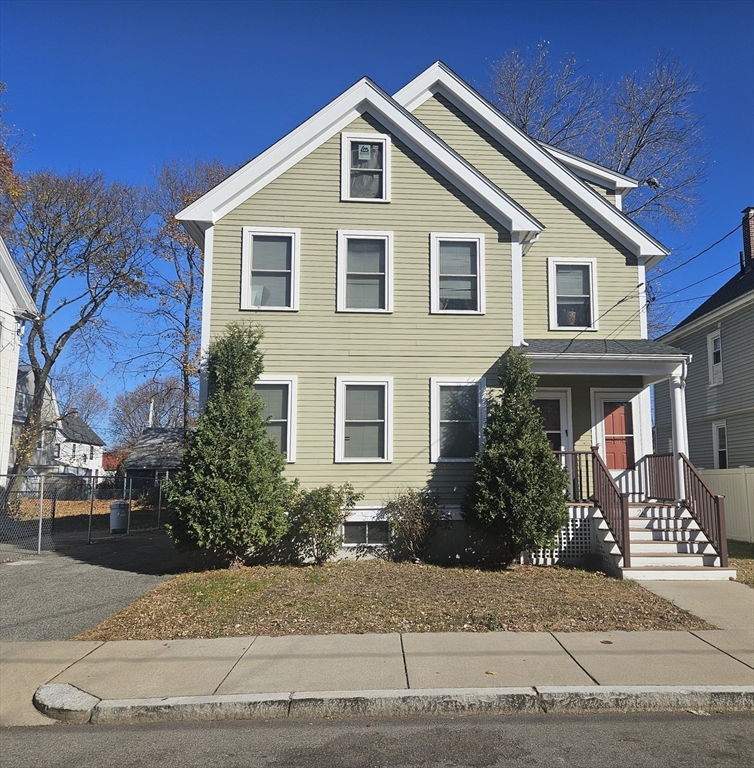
(56, 595)
(517, 741)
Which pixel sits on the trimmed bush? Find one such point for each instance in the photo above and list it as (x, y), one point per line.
(518, 494)
(315, 517)
(414, 519)
(229, 495)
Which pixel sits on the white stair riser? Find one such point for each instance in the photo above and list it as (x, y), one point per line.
(639, 560)
(672, 547)
(681, 524)
(650, 534)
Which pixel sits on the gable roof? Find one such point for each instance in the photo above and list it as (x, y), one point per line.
(552, 166)
(364, 96)
(737, 287)
(157, 448)
(23, 303)
(77, 430)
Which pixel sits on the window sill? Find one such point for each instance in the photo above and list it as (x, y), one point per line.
(363, 461)
(346, 311)
(269, 309)
(457, 312)
(363, 200)
(579, 328)
(441, 460)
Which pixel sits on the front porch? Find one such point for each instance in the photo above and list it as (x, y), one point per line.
(650, 516)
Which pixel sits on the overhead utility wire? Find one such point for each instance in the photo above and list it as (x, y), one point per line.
(708, 248)
(704, 279)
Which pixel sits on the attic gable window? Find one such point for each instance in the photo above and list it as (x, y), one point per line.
(365, 167)
(269, 268)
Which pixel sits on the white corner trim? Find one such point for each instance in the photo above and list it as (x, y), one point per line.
(292, 383)
(552, 292)
(247, 299)
(440, 79)
(345, 165)
(344, 235)
(207, 290)
(435, 238)
(435, 384)
(517, 290)
(643, 309)
(341, 382)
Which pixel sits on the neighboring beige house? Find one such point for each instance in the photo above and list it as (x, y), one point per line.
(720, 384)
(393, 248)
(16, 307)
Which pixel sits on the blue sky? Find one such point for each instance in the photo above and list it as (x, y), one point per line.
(123, 86)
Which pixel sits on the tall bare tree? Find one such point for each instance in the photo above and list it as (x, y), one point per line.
(642, 126)
(78, 242)
(179, 273)
(75, 391)
(156, 403)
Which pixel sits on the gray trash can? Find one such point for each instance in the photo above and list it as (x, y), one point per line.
(119, 517)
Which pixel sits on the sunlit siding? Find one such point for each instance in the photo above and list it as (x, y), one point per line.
(568, 233)
(317, 344)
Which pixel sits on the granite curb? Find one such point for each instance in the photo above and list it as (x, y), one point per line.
(70, 704)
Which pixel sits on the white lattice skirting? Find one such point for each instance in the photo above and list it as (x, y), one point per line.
(575, 541)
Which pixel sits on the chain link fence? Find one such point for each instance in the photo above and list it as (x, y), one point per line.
(38, 511)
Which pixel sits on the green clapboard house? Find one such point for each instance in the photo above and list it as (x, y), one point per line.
(393, 248)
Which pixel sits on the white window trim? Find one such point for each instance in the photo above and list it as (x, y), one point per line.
(292, 383)
(341, 382)
(345, 166)
(435, 384)
(246, 258)
(552, 290)
(715, 370)
(344, 235)
(715, 450)
(434, 259)
(364, 515)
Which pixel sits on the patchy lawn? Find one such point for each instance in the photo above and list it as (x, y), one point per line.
(378, 596)
(741, 557)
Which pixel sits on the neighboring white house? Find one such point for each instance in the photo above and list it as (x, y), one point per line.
(68, 445)
(16, 306)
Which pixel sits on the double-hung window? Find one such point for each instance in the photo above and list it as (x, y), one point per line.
(365, 271)
(715, 358)
(363, 419)
(278, 395)
(365, 167)
(457, 416)
(573, 294)
(269, 268)
(457, 269)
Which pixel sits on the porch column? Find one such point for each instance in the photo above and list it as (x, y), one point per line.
(678, 419)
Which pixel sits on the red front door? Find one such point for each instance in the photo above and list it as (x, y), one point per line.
(619, 435)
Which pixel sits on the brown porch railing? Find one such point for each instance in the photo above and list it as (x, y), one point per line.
(661, 476)
(581, 473)
(613, 504)
(706, 508)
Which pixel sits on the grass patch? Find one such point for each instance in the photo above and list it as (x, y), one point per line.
(378, 596)
(741, 557)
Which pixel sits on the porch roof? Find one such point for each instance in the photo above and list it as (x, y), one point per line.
(653, 360)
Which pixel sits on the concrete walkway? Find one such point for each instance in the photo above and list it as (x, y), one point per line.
(232, 671)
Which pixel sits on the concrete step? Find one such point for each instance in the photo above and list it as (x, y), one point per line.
(672, 560)
(683, 573)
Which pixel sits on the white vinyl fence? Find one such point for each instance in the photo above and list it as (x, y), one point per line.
(737, 485)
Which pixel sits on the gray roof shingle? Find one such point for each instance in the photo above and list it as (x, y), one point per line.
(77, 430)
(619, 347)
(157, 448)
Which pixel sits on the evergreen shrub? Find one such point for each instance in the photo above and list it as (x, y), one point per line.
(414, 518)
(229, 496)
(518, 494)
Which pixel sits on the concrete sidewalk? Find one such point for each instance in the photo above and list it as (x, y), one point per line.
(497, 670)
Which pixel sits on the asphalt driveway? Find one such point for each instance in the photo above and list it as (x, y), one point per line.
(56, 595)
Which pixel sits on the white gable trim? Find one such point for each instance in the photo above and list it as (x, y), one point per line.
(439, 79)
(364, 96)
(593, 172)
(22, 301)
